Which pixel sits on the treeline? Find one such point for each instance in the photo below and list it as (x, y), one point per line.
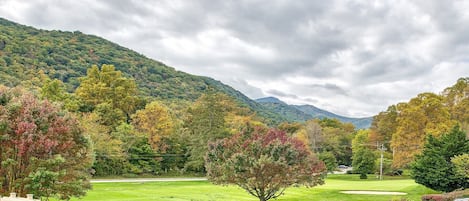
(404, 127)
(132, 134)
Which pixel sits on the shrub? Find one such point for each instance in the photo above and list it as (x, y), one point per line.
(363, 176)
(263, 163)
(447, 196)
(432, 197)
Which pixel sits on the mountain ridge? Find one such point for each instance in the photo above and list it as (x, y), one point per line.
(306, 112)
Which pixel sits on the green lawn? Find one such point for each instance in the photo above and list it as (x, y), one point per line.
(205, 191)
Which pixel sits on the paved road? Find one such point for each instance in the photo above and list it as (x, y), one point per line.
(147, 180)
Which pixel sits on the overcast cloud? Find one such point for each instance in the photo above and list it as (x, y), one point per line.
(353, 58)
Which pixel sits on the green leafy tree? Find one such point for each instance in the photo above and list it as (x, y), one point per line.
(433, 168)
(142, 158)
(206, 123)
(363, 159)
(263, 163)
(109, 116)
(39, 142)
(337, 138)
(108, 86)
(329, 159)
(108, 149)
(387, 166)
(45, 179)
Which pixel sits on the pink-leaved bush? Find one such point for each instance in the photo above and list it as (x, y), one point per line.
(264, 163)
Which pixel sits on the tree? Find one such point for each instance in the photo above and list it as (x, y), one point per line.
(337, 138)
(263, 163)
(457, 99)
(433, 168)
(314, 133)
(206, 123)
(40, 146)
(384, 125)
(329, 160)
(108, 86)
(108, 151)
(424, 115)
(155, 122)
(363, 159)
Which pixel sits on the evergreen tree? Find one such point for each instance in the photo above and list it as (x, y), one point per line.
(433, 168)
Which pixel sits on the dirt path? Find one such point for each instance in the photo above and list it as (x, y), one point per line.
(373, 192)
(147, 180)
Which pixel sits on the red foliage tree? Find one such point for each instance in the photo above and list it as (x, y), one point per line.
(264, 163)
(36, 137)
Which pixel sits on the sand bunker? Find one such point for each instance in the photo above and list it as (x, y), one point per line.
(373, 192)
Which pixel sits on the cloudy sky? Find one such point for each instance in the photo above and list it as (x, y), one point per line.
(353, 58)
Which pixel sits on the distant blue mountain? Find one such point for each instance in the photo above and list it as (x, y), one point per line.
(300, 113)
(270, 100)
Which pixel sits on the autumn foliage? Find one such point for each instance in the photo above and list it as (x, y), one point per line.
(42, 149)
(264, 163)
(404, 127)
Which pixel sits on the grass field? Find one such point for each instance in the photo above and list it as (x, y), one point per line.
(205, 191)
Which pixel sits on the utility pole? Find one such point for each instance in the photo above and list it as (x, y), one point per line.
(382, 149)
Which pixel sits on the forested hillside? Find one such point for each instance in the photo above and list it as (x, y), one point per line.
(24, 51)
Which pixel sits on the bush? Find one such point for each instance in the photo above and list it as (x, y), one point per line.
(447, 196)
(457, 194)
(363, 176)
(432, 197)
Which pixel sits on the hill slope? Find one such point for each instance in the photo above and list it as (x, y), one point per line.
(291, 113)
(306, 112)
(65, 56)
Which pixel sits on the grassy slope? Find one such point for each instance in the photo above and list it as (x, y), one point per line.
(185, 191)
